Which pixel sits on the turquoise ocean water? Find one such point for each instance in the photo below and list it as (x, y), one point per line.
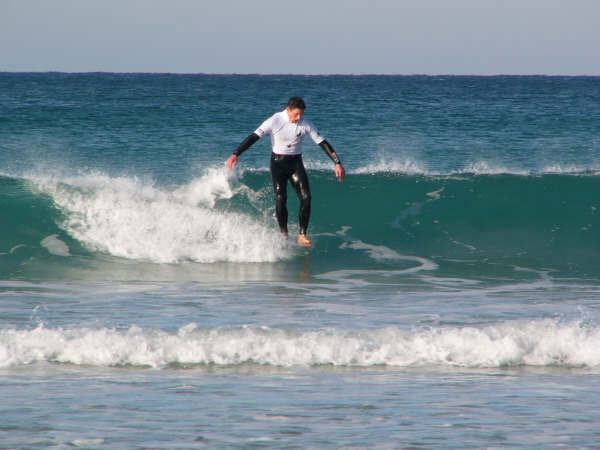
(451, 298)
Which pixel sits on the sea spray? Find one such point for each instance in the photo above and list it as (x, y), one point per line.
(128, 218)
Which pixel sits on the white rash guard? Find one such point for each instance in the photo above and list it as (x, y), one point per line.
(286, 137)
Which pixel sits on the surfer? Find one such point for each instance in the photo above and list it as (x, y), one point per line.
(287, 129)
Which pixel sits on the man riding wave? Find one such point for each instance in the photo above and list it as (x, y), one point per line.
(287, 129)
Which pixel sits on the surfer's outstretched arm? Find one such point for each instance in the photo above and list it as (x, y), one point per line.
(340, 173)
(245, 145)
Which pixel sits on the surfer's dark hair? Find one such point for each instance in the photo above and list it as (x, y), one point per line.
(296, 102)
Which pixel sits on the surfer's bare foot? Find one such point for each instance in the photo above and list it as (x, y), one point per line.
(284, 234)
(303, 240)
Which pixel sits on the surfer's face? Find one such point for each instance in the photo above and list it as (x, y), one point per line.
(294, 114)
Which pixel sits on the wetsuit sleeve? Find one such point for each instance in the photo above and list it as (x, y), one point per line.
(246, 143)
(330, 151)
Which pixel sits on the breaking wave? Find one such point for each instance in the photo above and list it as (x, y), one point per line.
(508, 344)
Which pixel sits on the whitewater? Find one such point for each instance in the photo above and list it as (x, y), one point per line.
(536, 343)
(451, 297)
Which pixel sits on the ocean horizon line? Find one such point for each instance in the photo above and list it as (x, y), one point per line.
(291, 74)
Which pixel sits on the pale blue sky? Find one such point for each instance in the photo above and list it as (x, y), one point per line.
(312, 37)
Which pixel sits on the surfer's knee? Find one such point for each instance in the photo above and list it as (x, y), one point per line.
(279, 190)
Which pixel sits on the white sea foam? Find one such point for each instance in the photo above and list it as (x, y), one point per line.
(436, 195)
(486, 168)
(55, 246)
(87, 442)
(568, 169)
(16, 247)
(378, 253)
(412, 167)
(128, 218)
(535, 343)
(381, 252)
(406, 166)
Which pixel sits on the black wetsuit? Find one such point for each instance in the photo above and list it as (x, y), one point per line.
(284, 168)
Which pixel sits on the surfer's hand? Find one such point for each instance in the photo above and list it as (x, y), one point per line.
(232, 161)
(340, 173)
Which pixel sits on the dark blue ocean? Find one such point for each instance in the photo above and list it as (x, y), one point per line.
(451, 298)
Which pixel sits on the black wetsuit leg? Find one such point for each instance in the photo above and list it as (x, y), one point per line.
(284, 168)
(300, 184)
